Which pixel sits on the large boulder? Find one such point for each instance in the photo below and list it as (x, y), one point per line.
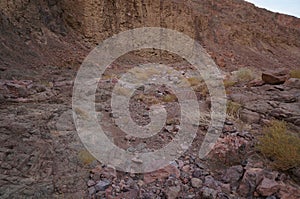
(275, 77)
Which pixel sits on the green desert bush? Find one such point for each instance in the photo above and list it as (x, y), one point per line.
(280, 146)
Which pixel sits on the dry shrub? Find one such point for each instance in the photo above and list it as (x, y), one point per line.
(295, 73)
(85, 157)
(233, 109)
(244, 75)
(194, 81)
(199, 85)
(280, 145)
(229, 83)
(169, 98)
(147, 99)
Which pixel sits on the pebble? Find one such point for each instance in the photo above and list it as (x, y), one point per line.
(3, 68)
(209, 193)
(91, 183)
(228, 123)
(102, 185)
(196, 182)
(136, 160)
(197, 173)
(186, 168)
(91, 190)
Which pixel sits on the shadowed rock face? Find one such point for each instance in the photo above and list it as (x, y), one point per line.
(234, 32)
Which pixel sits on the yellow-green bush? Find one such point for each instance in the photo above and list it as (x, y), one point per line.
(295, 73)
(85, 157)
(279, 145)
(229, 83)
(233, 108)
(169, 98)
(244, 75)
(199, 85)
(194, 81)
(147, 99)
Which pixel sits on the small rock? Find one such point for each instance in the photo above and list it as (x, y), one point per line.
(91, 190)
(256, 83)
(288, 191)
(279, 87)
(3, 68)
(293, 83)
(180, 163)
(172, 192)
(267, 187)
(136, 160)
(296, 173)
(209, 193)
(91, 183)
(233, 174)
(251, 178)
(102, 185)
(210, 182)
(161, 174)
(113, 115)
(132, 193)
(140, 183)
(226, 187)
(196, 182)
(245, 134)
(249, 116)
(186, 168)
(200, 164)
(128, 137)
(65, 121)
(229, 123)
(229, 129)
(197, 173)
(5, 165)
(109, 172)
(169, 128)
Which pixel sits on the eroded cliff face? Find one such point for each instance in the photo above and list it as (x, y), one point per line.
(234, 32)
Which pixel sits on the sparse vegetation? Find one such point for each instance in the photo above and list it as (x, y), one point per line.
(198, 85)
(194, 81)
(229, 83)
(244, 75)
(233, 109)
(123, 91)
(85, 157)
(295, 73)
(202, 88)
(281, 146)
(169, 98)
(147, 99)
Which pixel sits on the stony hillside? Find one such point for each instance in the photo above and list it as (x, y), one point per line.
(42, 45)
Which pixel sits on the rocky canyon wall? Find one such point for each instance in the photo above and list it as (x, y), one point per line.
(234, 32)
